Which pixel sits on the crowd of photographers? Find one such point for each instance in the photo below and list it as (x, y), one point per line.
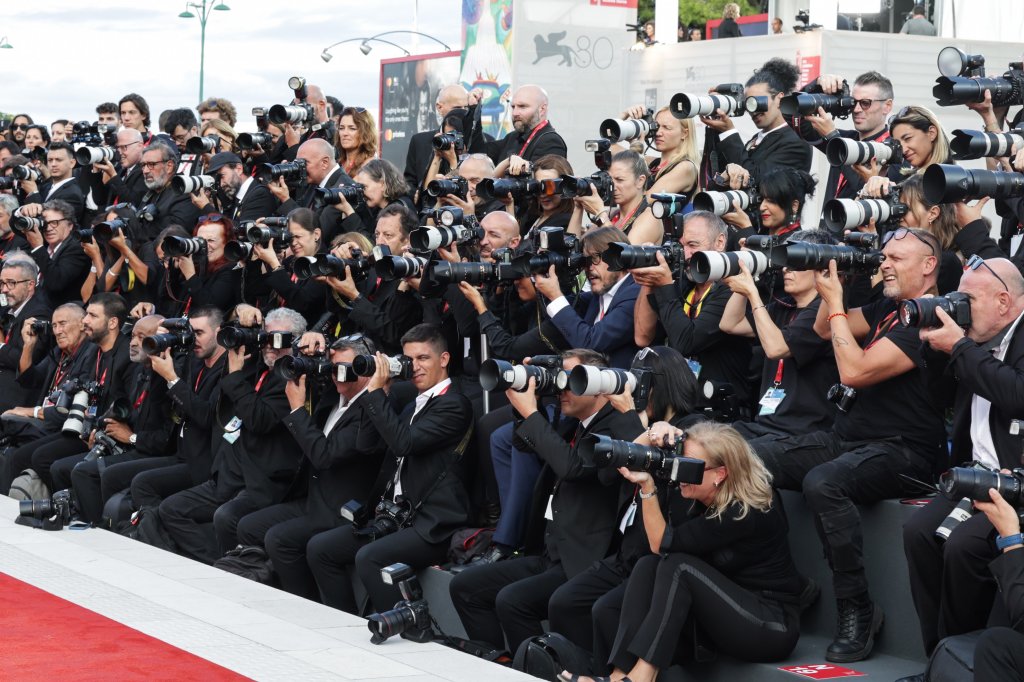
(275, 349)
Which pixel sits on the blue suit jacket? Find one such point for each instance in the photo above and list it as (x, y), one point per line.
(613, 334)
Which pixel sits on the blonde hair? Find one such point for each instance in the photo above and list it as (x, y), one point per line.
(922, 118)
(357, 238)
(944, 228)
(731, 11)
(687, 149)
(224, 129)
(748, 483)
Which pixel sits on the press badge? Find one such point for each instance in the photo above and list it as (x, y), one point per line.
(694, 366)
(91, 412)
(770, 401)
(628, 518)
(233, 430)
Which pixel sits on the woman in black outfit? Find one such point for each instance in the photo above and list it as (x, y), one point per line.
(729, 28)
(383, 185)
(745, 599)
(548, 209)
(212, 280)
(307, 297)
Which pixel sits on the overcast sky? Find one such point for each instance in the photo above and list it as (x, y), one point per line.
(68, 57)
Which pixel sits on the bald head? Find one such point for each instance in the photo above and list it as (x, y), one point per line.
(1009, 273)
(319, 157)
(451, 97)
(529, 107)
(995, 289)
(315, 96)
(500, 230)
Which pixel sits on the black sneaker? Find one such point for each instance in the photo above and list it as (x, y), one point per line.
(857, 626)
(491, 555)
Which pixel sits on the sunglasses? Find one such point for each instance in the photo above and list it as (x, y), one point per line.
(350, 341)
(865, 104)
(976, 261)
(209, 218)
(20, 126)
(902, 233)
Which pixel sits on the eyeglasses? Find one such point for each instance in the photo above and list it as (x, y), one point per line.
(902, 233)
(865, 104)
(54, 223)
(11, 283)
(593, 259)
(124, 147)
(973, 263)
(151, 165)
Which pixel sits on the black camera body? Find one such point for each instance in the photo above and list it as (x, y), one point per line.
(842, 395)
(553, 246)
(410, 618)
(293, 172)
(291, 367)
(622, 256)
(664, 463)
(546, 371)
(93, 134)
(41, 327)
(389, 516)
(963, 81)
(233, 335)
(456, 186)
(840, 105)
(332, 266)
(974, 483)
(449, 141)
(51, 514)
(103, 446)
(332, 196)
(178, 338)
(921, 312)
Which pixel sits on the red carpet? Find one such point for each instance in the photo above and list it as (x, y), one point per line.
(41, 634)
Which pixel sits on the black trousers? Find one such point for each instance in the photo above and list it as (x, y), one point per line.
(42, 453)
(85, 482)
(586, 609)
(835, 476)
(253, 527)
(16, 459)
(950, 582)
(999, 656)
(664, 591)
(202, 522)
(332, 552)
(506, 600)
(286, 543)
(151, 487)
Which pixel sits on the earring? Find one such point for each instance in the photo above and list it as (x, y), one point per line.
(716, 483)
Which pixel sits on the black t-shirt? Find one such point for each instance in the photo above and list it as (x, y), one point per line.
(805, 376)
(900, 406)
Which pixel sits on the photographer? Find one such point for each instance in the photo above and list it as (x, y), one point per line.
(124, 182)
(343, 454)
(950, 581)
(141, 426)
(124, 272)
(586, 609)
(254, 462)
(799, 367)
(677, 167)
(727, 568)
(210, 279)
(507, 600)
(941, 221)
(193, 388)
(244, 197)
(533, 137)
(784, 191)
(305, 296)
(872, 103)
(888, 425)
(158, 163)
(181, 125)
(922, 140)
(9, 241)
(63, 265)
(425, 444)
(473, 168)
(383, 310)
(383, 186)
(421, 155)
(62, 186)
(606, 325)
(997, 657)
(322, 171)
(775, 144)
(629, 175)
(548, 210)
(107, 380)
(690, 313)
(18, 285)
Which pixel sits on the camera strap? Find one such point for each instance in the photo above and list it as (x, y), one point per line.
(459, 450)
(540, 126)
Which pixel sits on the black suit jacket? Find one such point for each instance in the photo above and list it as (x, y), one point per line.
(258, 202)
(585, 499)
(172, 209)
(428, 446)
(151, 412)
(418, 158)
(546, 141)
(780, 148)
(130, 190)
(383, 313)
(64, 273)
(344, 464)
(308, 192)
(53, 371)
(13, 393)
(266, 452)
(193, 401)
(69, 192)
(973, 370)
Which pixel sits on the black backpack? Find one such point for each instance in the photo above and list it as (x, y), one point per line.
(248, 561)
(547, 655)
(953, 658)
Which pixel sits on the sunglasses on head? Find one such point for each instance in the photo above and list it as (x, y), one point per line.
(976, 261)
(209, 218)
(901, 233)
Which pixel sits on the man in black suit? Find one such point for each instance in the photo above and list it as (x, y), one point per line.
(122, 183)
(508, 600)
(18, 285)
(322, 171)
(242, 197)
(255, 461)
(60, 161)
(775, 144)
(533, 137)
(425, 444)
(63, 265)
(421, 149)
(343, 457)
(158, 163)
(950, 581)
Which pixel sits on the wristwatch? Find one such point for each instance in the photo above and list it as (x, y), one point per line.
(133, 438)
(647, 496)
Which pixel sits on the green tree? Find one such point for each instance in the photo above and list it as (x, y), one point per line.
(698, 11)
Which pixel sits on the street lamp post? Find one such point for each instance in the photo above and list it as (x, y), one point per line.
(203, 14)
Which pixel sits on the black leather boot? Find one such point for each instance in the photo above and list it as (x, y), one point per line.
(859, 622)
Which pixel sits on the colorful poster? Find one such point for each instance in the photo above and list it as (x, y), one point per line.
(487, 59)
(408, 90)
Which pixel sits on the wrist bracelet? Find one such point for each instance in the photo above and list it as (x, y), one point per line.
(647, 496)
(1009, 541)
(758, 307)
(837, 315)
(35, 414)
